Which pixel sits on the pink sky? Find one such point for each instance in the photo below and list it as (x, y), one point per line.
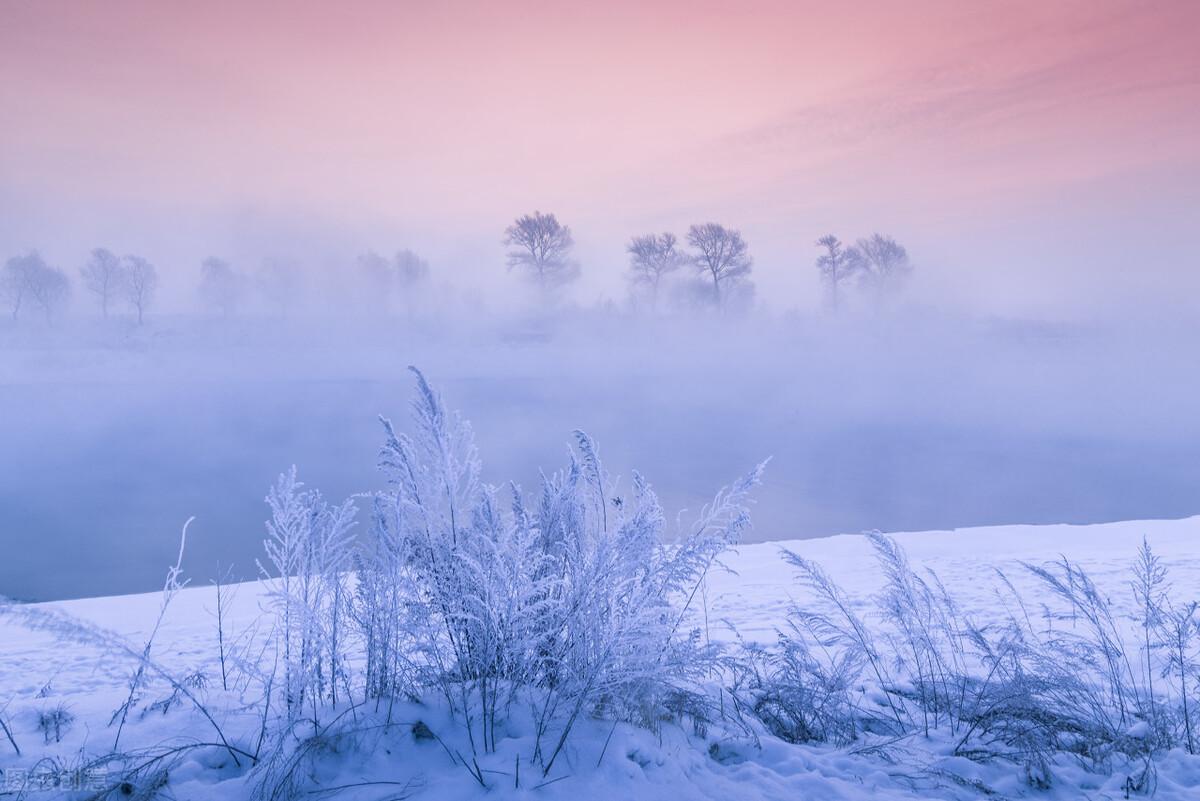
(974, 132)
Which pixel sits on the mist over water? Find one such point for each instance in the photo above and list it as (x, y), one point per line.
(112, 437)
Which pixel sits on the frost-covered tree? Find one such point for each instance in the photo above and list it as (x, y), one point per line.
(835, 265)
(220, 287)
(541, 246)
(102, 276)
(721, 256)
(139, 282)
(28, 279)
(882, 262)
(651, 258)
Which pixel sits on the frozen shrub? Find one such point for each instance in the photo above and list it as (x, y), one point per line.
(577, 601)
(1177, 631)
(308, 553)
(855, 643)
(54, 722)
(1003, 689)
(621, 596)
(171, 587)
(800, 694)
(928, 643)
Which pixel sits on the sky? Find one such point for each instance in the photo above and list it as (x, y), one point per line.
(1035, 157)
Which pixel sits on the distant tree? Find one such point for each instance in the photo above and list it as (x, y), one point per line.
(16, 280)
(883, 263)
(721, 255)
(411, 273)
(541, 246)
(52, 291)
(383, 281)
(650, 258)
(140, 281)
(102, 275)
(411, 269)
(28, 279)
(220, 286)
(836, 265)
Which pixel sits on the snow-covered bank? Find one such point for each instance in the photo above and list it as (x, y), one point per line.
(43, 674)
(966, 560)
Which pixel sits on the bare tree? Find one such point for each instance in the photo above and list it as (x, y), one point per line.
(220, 286)
(17, 278)
(722, 255)
(883, 262)
(139, 282)
(29, 279)
(836, 264)
(542, 246)
(51, 291)
(650, 258)
(102, 275)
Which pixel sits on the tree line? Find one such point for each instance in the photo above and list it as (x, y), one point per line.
(711, 268)
(27, 281)
(718, 259)
(541, 246)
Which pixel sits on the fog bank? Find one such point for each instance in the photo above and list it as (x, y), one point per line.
(113, 435)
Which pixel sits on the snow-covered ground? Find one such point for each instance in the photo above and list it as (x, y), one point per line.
(42, 673)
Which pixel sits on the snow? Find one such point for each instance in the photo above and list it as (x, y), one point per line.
(42, 672)
(756, 596)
